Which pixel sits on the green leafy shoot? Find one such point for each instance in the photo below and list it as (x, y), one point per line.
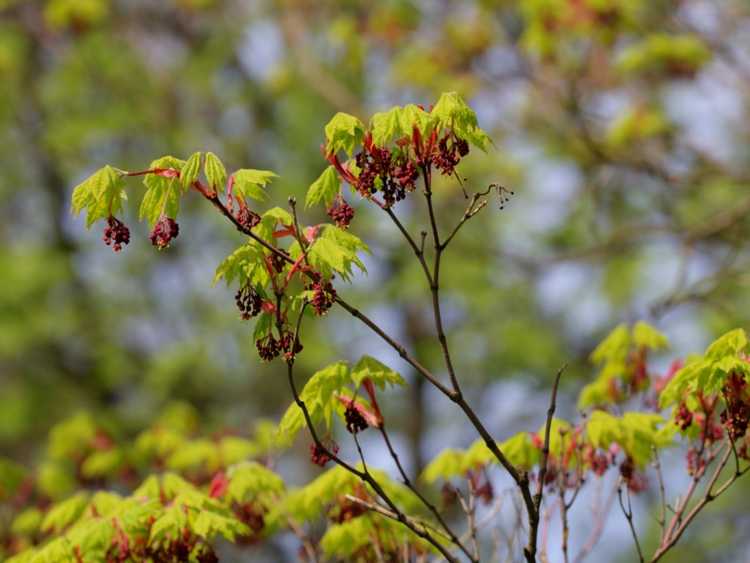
(101, 195)
(250, 184)
(325, 189)
(215, 172)
(190, 171)
(163, 192)
(343, 132)
(378, 373)
(452, 112)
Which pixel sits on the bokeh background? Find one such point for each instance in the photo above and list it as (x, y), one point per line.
(622, 126)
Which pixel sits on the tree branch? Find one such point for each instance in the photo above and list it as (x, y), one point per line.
(629, 517)
(530, 550)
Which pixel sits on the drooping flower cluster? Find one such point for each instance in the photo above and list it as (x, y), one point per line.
(736, 415)
(380, 170)
(341, 213)
(481, 486)
(597, 460)
(116, 234)
(270, 347)
(253, 516)
(247, 218)
(323, 296)
(319, 456)
(635, 480)
(248, 301)
(355, 422)
(683, 418)
(449, 152)
(394, 172)
(165, 230)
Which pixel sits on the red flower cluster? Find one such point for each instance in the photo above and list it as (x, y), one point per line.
(116, 234)
(248, 301)
(635, 480)
(165, 230)
(341, 213)
(355, 422)
(318, 455)
(323, 296)
(736, 415)
(380, 170)
(270, 347)
(247, 218)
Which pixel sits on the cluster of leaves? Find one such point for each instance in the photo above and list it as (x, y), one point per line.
(708, 392)
(196, 492)
(283, 268)
(278, 279)
(353, 532)
(334, 390)
(394, 149)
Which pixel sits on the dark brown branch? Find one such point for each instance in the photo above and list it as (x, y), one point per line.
(418, 250)
(364, 474)
(423, 371)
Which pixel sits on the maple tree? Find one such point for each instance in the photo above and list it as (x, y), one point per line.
(195, 490)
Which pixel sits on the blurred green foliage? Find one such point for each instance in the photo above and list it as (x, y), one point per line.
(619, 125)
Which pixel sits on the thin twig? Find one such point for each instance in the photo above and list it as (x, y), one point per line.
(408, 483)
(363, 475)
(708, 496)
(530, 549)
(599, 518)
(662, 519)
(629, 517)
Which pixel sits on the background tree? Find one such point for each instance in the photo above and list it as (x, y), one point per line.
(617, 124)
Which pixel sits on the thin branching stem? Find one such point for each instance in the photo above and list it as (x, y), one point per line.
(431, 507)
(530, 550)
(363, 474)
(628, 513)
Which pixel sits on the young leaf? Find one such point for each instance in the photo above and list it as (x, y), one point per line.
(190, 171)
(215, 172)
(348, 538)
(381, 375)
(388, 125)
(343, 133)
(11, 476)
(647, 336)
(520, 451)
(163, 192)
(245, 265)
(614, 347)
(101, 194)
(65, 513)
(662, 52)
(27, 523)
(446, 465)
(324, 189)
(335, 250)
(249, 183)
(729, 344)
(319, 395)
(452, 112)
(412, 115)
(102, 463)
(250, 480)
